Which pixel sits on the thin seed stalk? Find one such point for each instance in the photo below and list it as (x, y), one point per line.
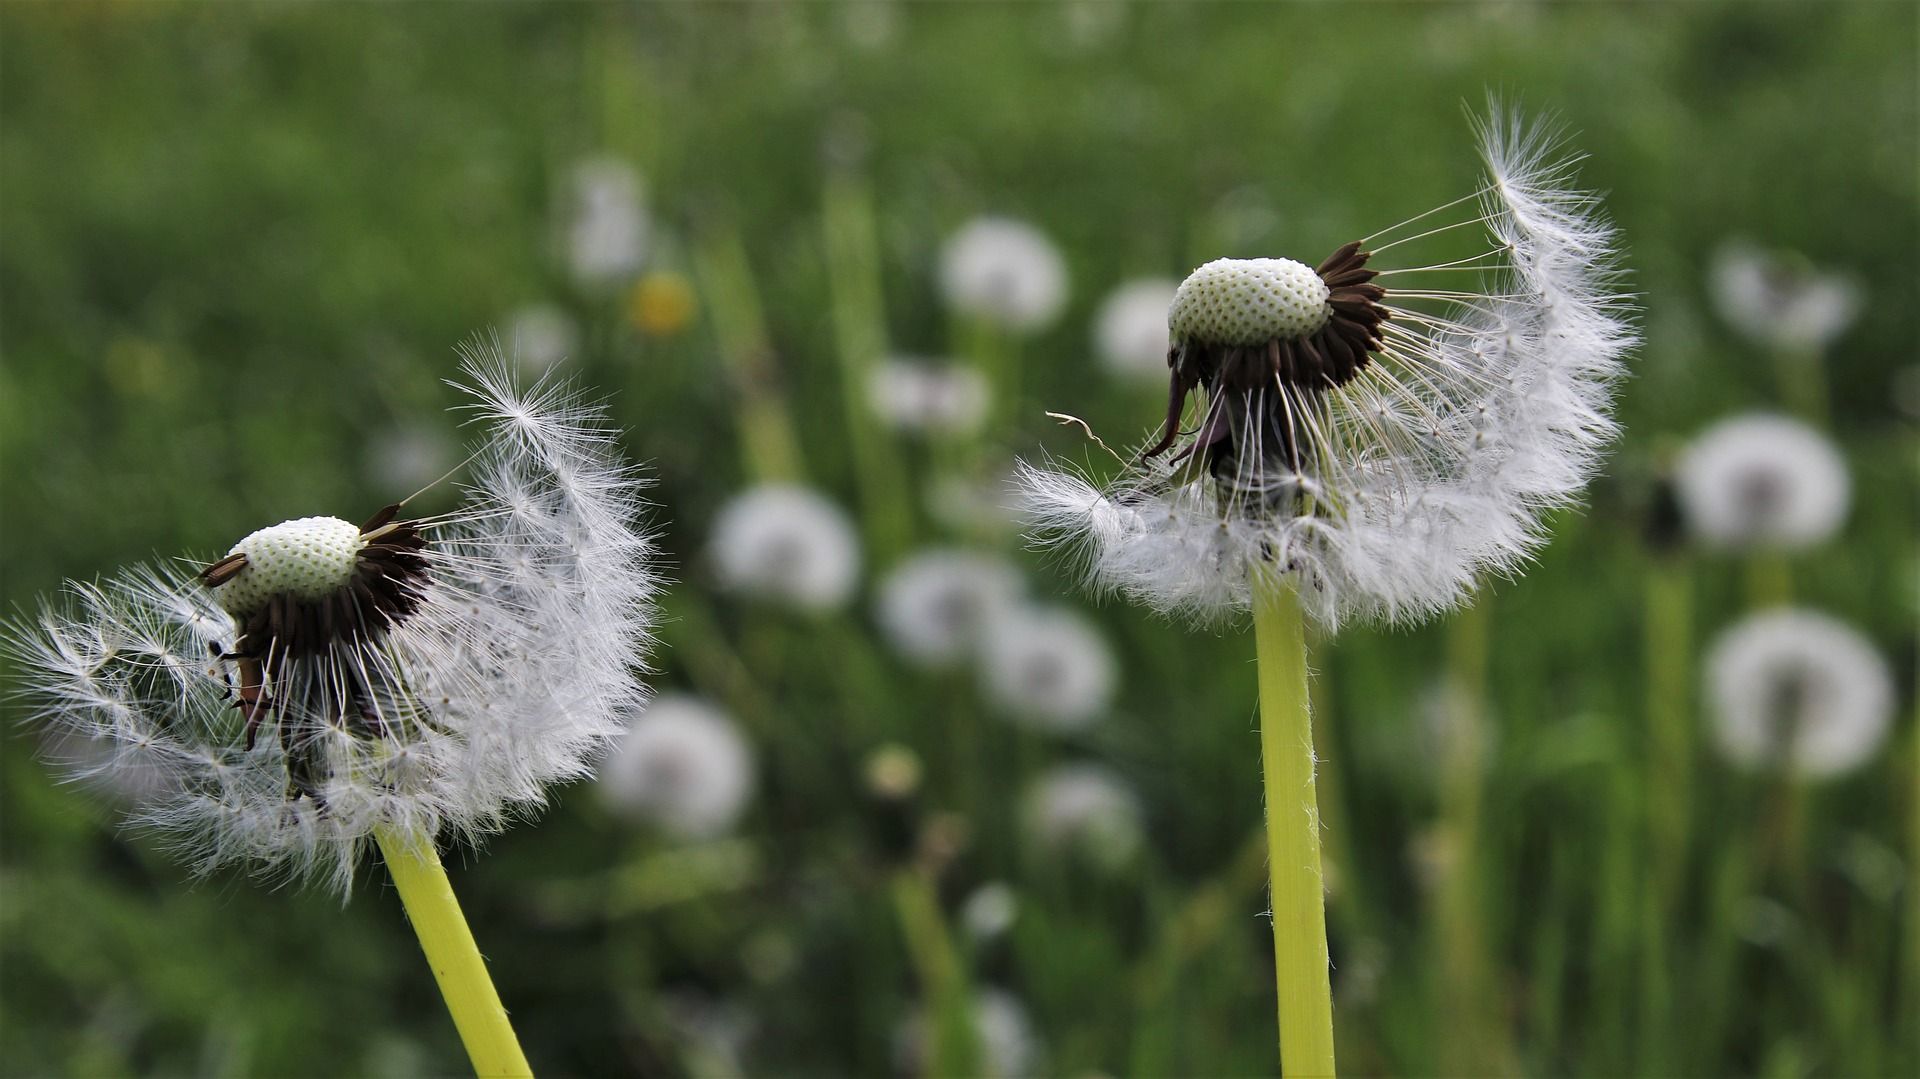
(953, 1046)
(457, 965)
(1297, 894)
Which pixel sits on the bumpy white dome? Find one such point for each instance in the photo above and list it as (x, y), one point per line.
(309, 557)
(1249, 302)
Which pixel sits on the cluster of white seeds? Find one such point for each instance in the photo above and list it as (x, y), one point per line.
(1249, 302)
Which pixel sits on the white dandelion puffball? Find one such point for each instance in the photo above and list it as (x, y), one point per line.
(1763, 481)
(1383, 429)
(1009, 1046)
(1778, 301)
(1005, 272)
(607, 227)
(786, 544)
(921, 397)
(1084, 811)
(1047, 667)
(989, 910)
(1799, 690)
(1130, 331)
(683, 766)
(933, 607)
(541, 335)
(431, 675)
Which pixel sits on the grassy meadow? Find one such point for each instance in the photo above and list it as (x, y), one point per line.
(239, 244)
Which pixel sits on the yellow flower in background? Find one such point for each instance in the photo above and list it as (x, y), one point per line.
(661, 303)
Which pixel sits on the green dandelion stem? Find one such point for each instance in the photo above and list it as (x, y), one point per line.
(451, 952)
(953, 1047)
(1298, 893)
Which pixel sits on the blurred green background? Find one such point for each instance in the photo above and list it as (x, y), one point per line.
(239, 242)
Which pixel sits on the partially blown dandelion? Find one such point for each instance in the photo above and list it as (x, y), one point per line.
(325, 684)
(1371, 438)
(1376, 432)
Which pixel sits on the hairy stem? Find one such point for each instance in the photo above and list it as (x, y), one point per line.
(451, 952)
(1298, 894)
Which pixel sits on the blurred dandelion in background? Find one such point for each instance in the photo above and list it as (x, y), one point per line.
(1130, 331)
(541, 335)
(683, 766)
(1004, 272)
(606, 223)
(1799, 691)
(1084, 811)
(1762, 481)
(1047, 667)
(925, 397)
(934, 607)
(1779, 300)
(1009, 1045)
(786, 544)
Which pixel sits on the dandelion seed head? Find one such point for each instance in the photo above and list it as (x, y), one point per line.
(1763, 481)
(934, 606)
(1084, 811)
(1007, 1040)
(1005, 272)
(1778, 300)
(1130, 331)
(1798, 690)
(540, 336)
(607, 227)
(435, 676)
(928, 398)
(684, 767)
(1046, 667)
(989, 911)
(787, 544)
(1385, 427)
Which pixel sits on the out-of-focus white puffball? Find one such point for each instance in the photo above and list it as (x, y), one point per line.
(1777, 300)
(1798, 690)
(607, 227)
(1084, 811)
(934, 606)
(1130, 331)
(786, 544)
(683, 767)
(539, 336)
(1047, 667)
(925, 397)
(1762, 481)
(1005, 272)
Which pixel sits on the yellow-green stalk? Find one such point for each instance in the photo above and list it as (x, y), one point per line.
(860, 332)
(457, 965)
(953, 1045)
(767, 441)
(1302, 976)
(1668, 640)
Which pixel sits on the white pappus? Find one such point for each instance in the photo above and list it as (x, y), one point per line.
(1005, 272)
(683, 766)
(1762, 481)
(433, 675)
(1386, 434)
(788, 544)
(934, 606)
(1798, 690)
(1046, 667)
